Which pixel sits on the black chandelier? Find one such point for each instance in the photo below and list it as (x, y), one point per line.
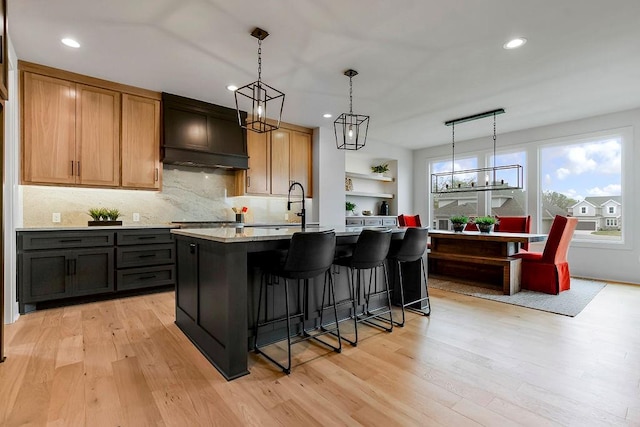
(258, 98)
(482, 179)
(351, 129)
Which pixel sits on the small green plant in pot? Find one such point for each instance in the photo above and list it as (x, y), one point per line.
(113, 214)
(459, 222)
(380, 169)
(485, 223)
(350, 206)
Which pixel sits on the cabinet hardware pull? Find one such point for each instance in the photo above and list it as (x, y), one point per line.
(148, 277)
(147, 256)
(248, 181)
(146, 237)
(157, 176)
(192, 248)
(72, 167)
(70, 240)
(78, 168)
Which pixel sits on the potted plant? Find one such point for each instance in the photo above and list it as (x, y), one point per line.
(380, 169)
(485, 223)
(458, 222)
(350, 206)
(103, 216)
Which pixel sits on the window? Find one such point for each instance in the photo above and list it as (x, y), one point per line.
(443, 206)
(509, 202)
(588, 170)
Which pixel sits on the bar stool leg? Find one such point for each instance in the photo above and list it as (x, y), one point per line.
(427, 311)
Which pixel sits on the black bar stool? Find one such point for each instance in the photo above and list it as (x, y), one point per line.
(369, 253)
(310, 254)
(411, 249)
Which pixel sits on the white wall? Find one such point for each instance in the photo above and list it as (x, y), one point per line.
(611, 262)
(328, 178)
(12, 210)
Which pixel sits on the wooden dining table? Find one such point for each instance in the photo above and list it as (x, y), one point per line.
(480, 257)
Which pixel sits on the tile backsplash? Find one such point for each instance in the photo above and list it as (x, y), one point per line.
(188, 194)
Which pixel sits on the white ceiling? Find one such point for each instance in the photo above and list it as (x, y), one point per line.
(421, 62)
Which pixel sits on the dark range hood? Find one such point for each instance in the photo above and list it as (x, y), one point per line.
(196, 133)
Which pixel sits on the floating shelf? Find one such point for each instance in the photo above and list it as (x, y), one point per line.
(368, 176)
(363, 194)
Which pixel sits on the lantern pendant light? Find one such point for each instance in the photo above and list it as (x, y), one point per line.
(351, 129)
(258, 98)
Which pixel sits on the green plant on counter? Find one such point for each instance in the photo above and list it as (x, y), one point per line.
(113, 214)
(487, 220)
(380, 168)
(103, 214)
(459, 219)
(349, 206)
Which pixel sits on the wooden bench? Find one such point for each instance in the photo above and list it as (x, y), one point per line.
(510, 273)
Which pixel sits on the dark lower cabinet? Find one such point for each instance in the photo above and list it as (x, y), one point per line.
(54, 265)
(187, 292)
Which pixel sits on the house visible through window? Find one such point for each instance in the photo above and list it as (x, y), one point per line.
(581, 173)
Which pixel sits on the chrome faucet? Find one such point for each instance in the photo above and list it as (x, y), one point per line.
(302, 213)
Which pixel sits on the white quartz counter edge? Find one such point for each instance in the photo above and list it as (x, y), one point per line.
(85, 228)
(254, 234)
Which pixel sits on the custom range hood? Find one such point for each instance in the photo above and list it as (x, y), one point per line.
(196, 133)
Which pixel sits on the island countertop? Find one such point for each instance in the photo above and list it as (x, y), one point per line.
(253, 234)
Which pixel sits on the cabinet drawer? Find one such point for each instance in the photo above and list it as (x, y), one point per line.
(355, 221)
(143, 237)
(389, 221)
(139, 256)
(32, 240)
(146, 277)
(373, 221)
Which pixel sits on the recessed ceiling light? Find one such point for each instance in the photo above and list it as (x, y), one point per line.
(326, 115)
(515, 43)
(232, 88)
(70, 42)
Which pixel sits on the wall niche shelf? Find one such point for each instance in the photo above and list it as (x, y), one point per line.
(365, 194)
(372, 177)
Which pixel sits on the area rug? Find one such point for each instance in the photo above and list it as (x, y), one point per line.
(567, 303)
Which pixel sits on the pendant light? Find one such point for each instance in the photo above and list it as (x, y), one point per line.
(258, 98)
(351, 129)
(482, 179)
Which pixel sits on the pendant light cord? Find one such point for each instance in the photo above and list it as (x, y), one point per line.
(453, 151)
(259, 61)
(494, 147)
(351, 95)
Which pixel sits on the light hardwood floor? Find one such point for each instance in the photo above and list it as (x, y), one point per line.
(474, 362)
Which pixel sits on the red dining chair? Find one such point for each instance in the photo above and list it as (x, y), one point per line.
(548, 271)
(514, 224)
(409, 220)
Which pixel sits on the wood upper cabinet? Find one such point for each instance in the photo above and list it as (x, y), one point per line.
(4, 57)
(300, 160)
(278, 158)
(97, 136)
(71, 133)
(140, 142)
(77, 130)
(259, 172)
(280, 145)
(49, 138)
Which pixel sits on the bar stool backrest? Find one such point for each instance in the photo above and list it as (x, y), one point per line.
(413, 246)
(310, 254)
(371, 248)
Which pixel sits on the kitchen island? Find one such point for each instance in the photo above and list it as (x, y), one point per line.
(217, 288)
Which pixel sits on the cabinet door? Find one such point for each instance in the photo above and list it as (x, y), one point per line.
(44, 276)
(97, 136)
(49, 130)
(187, 291)
(259, 150)
(92, 270)
(140, 142)
(300, 160)
(280, 142)
(4, 67)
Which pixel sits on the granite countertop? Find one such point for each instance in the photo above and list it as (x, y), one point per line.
(85, 228)
(252, 234)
